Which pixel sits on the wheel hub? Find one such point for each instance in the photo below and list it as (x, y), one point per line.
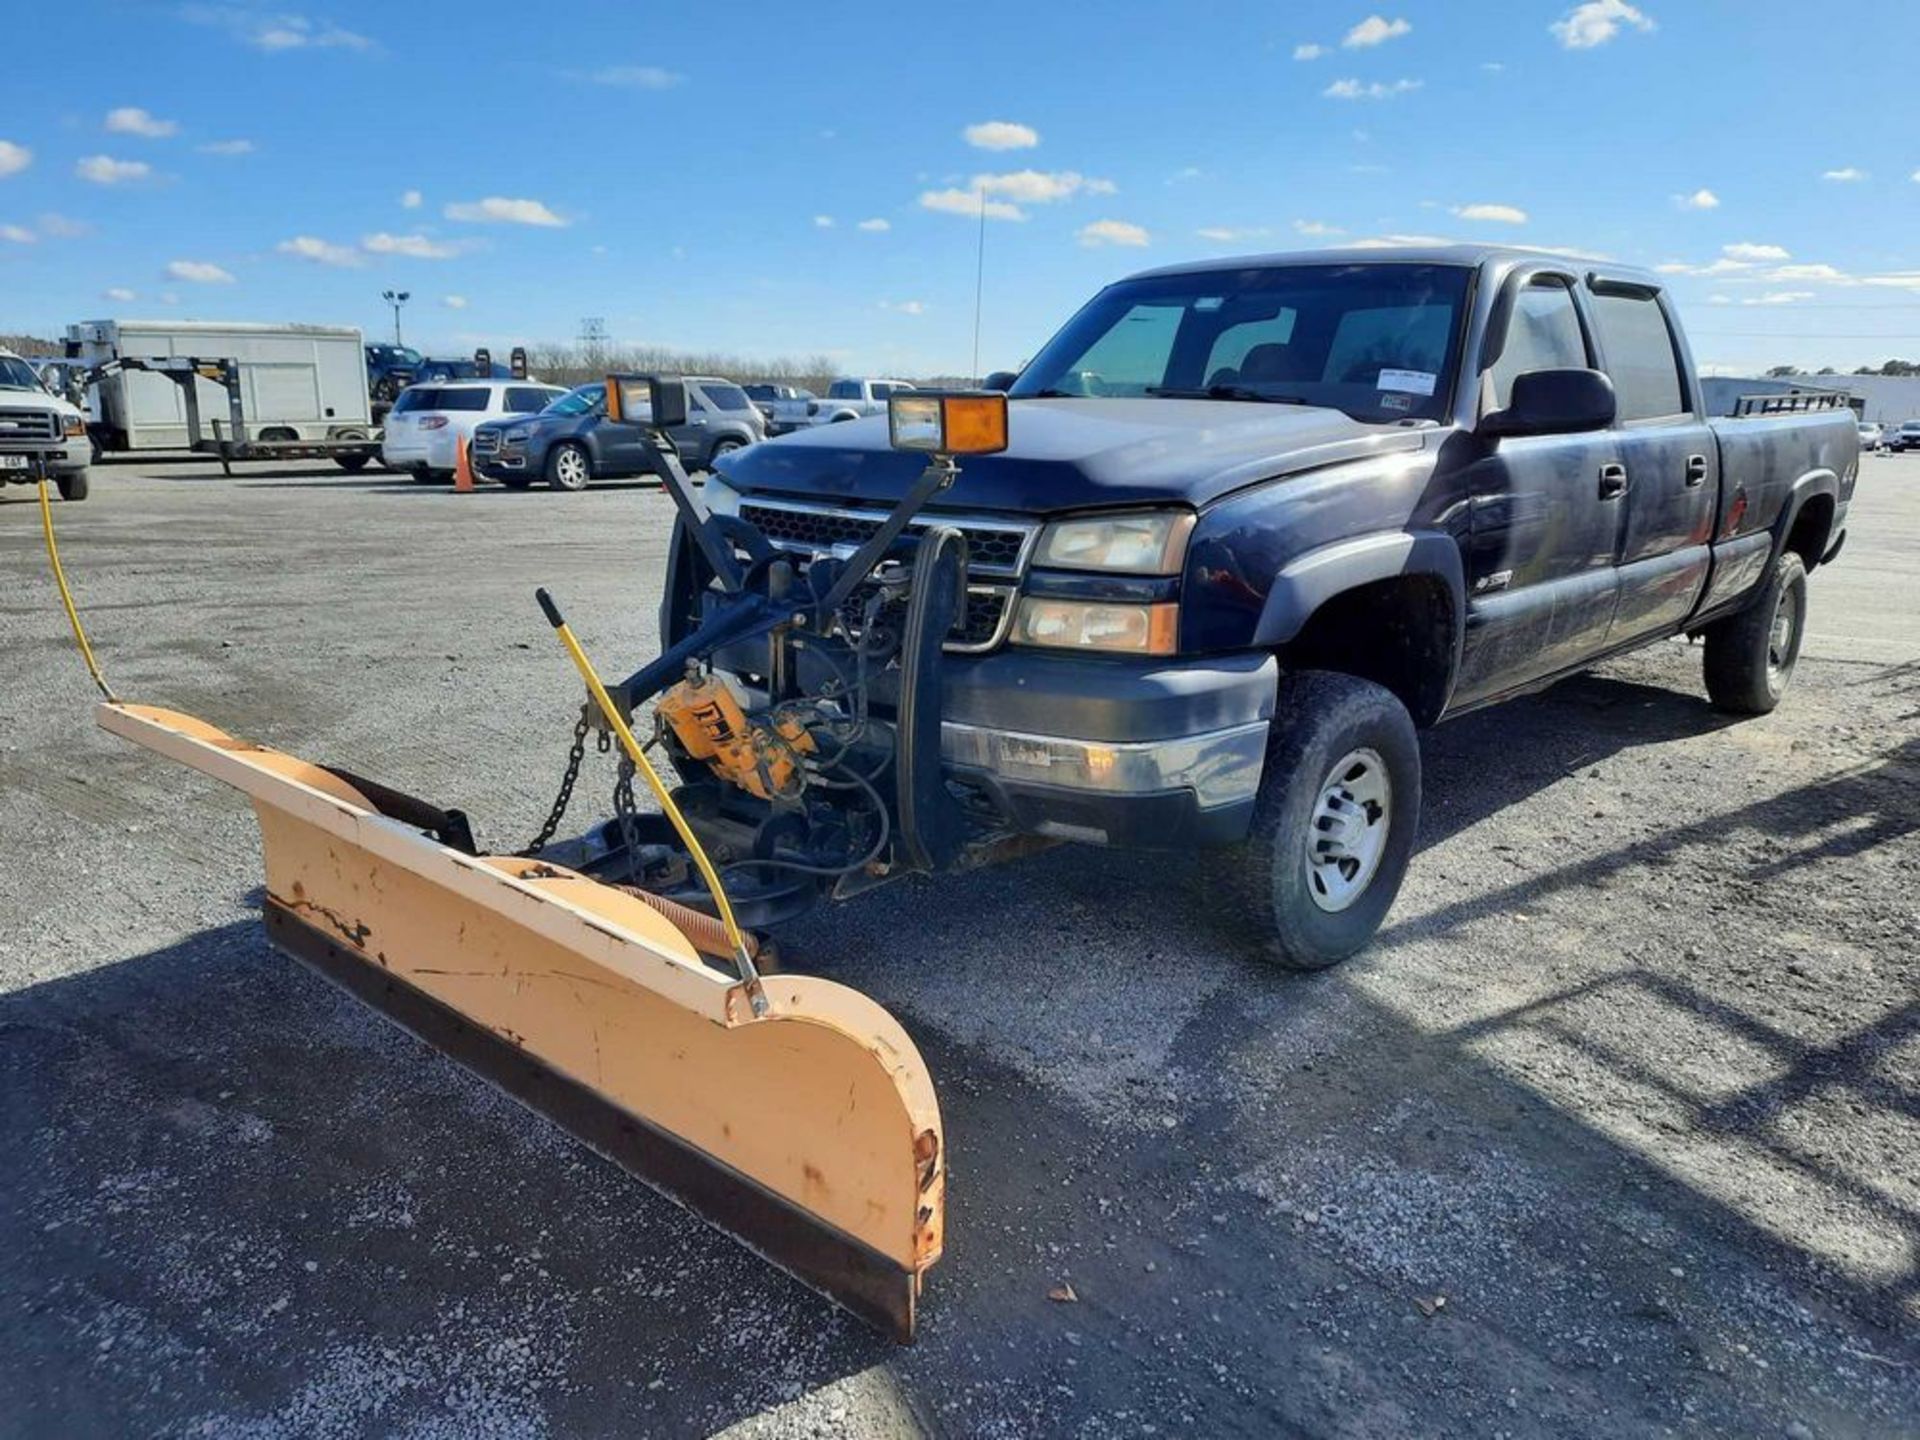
(1347, 836)
(1780, 635)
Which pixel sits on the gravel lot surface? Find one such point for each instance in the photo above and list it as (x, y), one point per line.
(1615, 1132)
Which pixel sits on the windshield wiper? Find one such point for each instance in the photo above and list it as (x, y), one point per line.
(1225, 392)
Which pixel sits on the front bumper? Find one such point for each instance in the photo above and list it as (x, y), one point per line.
(68, 459)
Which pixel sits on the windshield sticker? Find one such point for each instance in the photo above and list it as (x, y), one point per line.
(1413, 382)
(1209, 302)
(1396, 402)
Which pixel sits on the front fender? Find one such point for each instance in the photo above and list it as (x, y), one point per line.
(1308, 581)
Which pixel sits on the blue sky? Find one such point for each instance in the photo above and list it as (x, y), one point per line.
(784, 179)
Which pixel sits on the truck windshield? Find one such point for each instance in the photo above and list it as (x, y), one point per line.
(16, 374)
(1378, 341)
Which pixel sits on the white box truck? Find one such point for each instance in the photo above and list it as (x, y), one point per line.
(298, 383)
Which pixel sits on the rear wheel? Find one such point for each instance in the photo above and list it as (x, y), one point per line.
(1749, 657)
(422, 475)
(352, 462)
(72, 485)
(723, 447)
(1333, 823)
(568, 467)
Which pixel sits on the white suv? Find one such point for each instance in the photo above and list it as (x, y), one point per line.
(427, 422)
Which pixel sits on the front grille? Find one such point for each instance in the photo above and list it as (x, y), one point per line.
(981, 628)
(486, 442)
(28, 425)
(992, 548)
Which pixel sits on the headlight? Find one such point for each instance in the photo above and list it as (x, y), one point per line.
(517, 434)
(721, 498)
(75, 427)
(1097, 625)
(1145, 543)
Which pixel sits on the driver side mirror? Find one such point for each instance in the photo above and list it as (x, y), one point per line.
(1553, 402)
(1001, 380)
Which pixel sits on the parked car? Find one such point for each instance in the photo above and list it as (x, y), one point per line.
(428, 421)
(850, 399)
(39, 428)
(1231, 561)
(1907, 437)
(783, 406)
(572, 442)
(430, 372)
(390, 369)
(1873, 436)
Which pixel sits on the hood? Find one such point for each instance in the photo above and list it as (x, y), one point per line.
(31, 399)
(1076, 454)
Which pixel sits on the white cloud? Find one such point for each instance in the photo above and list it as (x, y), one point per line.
(1492, 67)
(277, 33)
(905, 307)
(410, 199)
(1375, 30)
(1308, 52)
(636, 77)
(875, 225)
(118, 292)
(1001, 135)
(105, 170)
(1848, 176)
(18, 234)
(823, 222)
(226, 147)
(496, 209)
(200, 272)
(1808, 272)
(1231, 234)
(1701, 199)
(1354, 90)
(1779, 297)
(1597, 22)
(414, 247)
(169, 297)
(967, 202)
(1113, 232)
(65, 227)
(320, 252)
(15, 158)
(1492, 214)
(132, 120)
(454, 302)
(1746, 250)
(1318, 228)
(1040, 187)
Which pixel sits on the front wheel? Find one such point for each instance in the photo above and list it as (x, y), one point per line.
(352, 463)
(1749, 657)
(568, 468)
(1333, 822)
(72, 485)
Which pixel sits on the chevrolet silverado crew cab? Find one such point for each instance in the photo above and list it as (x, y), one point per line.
(1261, 520)
(40, 430)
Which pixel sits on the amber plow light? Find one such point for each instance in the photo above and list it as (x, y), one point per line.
(808, 1131)
(948, 423)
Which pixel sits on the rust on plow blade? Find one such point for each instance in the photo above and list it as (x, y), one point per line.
(810, 1133)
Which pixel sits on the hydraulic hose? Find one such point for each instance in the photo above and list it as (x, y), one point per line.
(66, 596)
(742, 956)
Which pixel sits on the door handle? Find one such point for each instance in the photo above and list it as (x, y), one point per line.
(1613, 481)
(1696, 471)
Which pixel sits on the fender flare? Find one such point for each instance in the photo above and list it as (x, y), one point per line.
(1809, 486)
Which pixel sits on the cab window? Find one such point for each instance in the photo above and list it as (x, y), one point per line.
(1640, 356)
(1543, 333)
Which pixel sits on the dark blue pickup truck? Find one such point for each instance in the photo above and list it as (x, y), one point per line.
(1259, 520)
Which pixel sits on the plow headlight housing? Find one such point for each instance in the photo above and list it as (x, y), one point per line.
(1140, 543)
(74, 427)
(1118, 629)
(948, 422)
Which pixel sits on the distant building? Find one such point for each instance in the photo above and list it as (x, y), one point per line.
(1888, 399)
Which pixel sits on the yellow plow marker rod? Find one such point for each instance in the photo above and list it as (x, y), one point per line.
(810, 1132)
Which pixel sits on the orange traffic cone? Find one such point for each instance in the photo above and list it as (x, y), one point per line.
(462, 467)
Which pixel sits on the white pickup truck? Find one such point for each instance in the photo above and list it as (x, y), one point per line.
(40, 429)
(851, 399)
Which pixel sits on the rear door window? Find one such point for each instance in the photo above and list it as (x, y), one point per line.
(417, 397)
(1543, 333)
(1640, 357)
(471, 397)
(528, 399)
(726, 397)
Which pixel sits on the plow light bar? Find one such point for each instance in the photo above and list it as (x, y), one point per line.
(948, 423)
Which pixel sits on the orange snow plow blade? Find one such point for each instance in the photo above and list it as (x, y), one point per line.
(809, 1133)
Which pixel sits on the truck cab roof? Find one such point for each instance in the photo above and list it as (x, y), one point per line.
(1467, 256)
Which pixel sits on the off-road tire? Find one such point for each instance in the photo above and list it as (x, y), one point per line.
(72, 486)
(1321, 720)
(1747, 661)
(563, 476)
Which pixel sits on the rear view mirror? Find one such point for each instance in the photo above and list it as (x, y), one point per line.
(1553, 402)
(656, 400)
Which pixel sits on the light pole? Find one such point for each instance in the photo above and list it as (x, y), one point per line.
(396, 298)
